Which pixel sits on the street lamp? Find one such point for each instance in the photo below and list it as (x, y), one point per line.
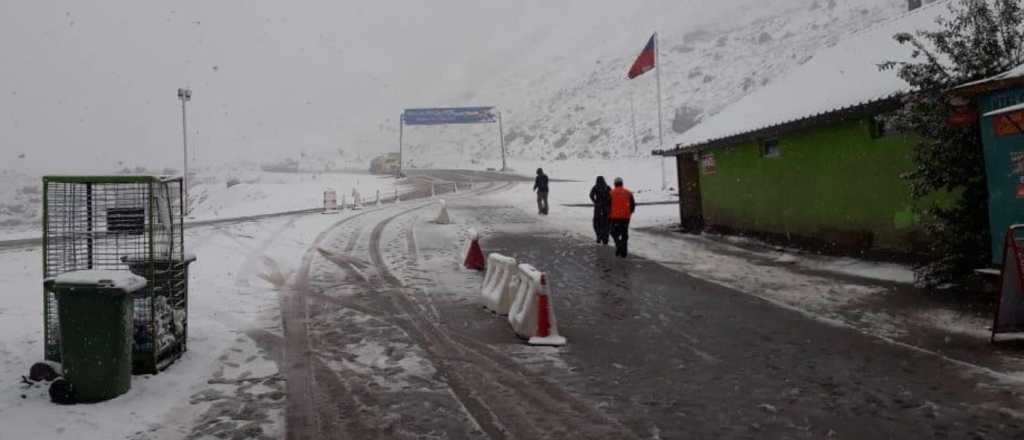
(185, 95)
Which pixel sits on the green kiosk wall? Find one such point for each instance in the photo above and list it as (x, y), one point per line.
(834, 177)
(1004, 166)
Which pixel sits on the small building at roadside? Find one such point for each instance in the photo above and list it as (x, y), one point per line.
(811, 157)
(1000, 104)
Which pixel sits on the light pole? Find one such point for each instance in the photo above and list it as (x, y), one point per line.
(185, 95)
(501, 140)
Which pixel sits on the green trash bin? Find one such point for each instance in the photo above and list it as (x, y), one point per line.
(95, 313)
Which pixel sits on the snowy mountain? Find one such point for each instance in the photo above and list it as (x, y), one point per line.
(566, 99)
(561, 89)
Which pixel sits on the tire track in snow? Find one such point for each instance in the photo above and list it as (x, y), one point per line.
(505, 399)
(317, 396)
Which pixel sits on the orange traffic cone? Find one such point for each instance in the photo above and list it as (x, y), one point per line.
(475, 255)
(543, 315)
(547, 327)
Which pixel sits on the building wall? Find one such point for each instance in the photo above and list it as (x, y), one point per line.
(831, 184)
(1004, 167)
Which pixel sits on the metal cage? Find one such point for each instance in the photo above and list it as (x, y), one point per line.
(131, 223)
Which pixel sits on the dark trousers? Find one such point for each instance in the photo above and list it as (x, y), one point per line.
(542, 202)
(620, 233)
(602, 225)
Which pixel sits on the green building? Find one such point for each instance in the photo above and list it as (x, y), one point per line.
(808, 158)
(1000, 104)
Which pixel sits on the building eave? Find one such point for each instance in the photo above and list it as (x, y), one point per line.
(998, 82)
(857, 111)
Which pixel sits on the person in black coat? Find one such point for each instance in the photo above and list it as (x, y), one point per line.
(540, 185)
(600, 196)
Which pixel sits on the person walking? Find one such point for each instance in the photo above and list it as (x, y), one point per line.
(600, 196)
(540, 185)
(623, 205)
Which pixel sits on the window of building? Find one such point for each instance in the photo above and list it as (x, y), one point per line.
(770, 148)
(880, 126)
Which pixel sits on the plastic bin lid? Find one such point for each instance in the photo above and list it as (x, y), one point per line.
(106, 279)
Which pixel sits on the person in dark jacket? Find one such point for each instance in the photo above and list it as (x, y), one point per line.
(540, 185)
(622, 208)
(600, 196)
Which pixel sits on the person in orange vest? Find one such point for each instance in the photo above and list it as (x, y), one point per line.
(623, 207)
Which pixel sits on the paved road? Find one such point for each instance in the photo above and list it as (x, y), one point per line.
(677, 357)
(382, 341)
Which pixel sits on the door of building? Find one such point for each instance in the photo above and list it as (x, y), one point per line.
(691, 211)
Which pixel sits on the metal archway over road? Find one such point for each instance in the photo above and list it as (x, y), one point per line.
(449, 116)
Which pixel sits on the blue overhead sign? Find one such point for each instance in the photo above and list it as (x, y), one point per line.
(452, 115)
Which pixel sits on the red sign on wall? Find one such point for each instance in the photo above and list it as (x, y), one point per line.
(963, 115)
(1009, 124)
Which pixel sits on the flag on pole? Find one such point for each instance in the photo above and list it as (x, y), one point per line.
(644, 62)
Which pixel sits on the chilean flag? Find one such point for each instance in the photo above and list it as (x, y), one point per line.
(644, 62)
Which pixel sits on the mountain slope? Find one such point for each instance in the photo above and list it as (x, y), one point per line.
(567, 97)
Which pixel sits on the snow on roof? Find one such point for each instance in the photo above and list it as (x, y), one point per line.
(1003, 110)
(1016, 72)
(116, 279)
(842, 76)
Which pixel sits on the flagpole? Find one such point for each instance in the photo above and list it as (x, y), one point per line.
(661, 142)
(632, 114)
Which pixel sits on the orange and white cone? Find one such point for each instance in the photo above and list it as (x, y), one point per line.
(474, 255)
(547, 326)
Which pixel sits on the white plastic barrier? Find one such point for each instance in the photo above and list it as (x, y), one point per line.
(357, 199)
(442, 216)
(498, 289)
(532, 314)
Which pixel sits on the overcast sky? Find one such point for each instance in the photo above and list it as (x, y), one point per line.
(88, 84)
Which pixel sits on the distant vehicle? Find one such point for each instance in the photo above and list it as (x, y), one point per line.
(385, 164)
(283, 166)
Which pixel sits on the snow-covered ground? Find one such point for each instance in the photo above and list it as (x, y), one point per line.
(278, 192)
(230, 298)
(216, 193)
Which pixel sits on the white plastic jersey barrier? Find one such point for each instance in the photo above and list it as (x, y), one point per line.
(499, 282)
(532, 314)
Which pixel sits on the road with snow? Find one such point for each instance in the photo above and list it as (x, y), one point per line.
(364, 325)
(384, 338)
